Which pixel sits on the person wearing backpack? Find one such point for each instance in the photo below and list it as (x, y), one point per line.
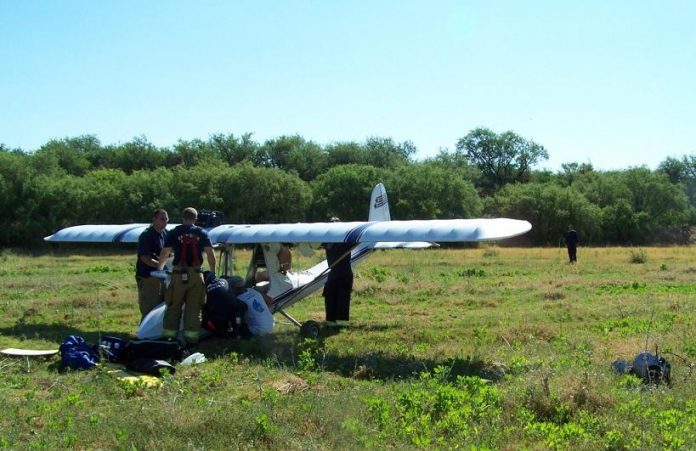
(188, 242)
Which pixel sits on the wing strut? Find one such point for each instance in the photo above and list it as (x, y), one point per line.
(289, 318)
(278, 307)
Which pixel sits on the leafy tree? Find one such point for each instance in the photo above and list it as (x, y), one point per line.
(637, 204)
(233, 150)
(57, 202)
(683, 172)
(15, 173)
(377, 152)
(455, 163)
(542, 176)
(136, 155)
(294, 153)
(664, 204)
(148, 190)
(428, 191)
(344, 191)
(258, 195)
(102, 193)
(602, 188)
(502, 158)
(572, 171)
(52, 203)
(70, 155)
(16, 176)
(191, 153)
(549, 208)
(676, 170)
(385, 153)
(345, 153)
(621, 224)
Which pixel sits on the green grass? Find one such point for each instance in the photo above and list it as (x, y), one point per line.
(492, 348)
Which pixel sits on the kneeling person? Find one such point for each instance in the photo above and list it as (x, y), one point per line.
(228, 299)
(258, 318)
(222, 312)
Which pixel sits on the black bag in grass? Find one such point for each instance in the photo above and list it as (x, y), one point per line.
(170, 351)
(110, 348)
(152, 367)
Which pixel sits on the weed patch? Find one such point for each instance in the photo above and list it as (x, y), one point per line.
(637, 256)
(437, 412)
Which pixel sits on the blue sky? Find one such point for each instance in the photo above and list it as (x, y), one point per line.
(612, 83)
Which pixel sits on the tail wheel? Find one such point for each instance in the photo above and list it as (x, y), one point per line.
(310, 329)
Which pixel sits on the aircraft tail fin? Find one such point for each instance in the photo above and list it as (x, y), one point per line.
(379, 204)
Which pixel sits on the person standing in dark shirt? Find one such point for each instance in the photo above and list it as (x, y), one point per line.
(150, 244)
(339, 283)
(571, 241)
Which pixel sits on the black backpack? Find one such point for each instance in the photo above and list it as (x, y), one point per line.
(170, 351)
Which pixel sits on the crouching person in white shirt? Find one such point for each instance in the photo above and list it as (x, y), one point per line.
(258, 318)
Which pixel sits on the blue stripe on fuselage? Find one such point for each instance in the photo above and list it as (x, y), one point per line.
(119, 236)
(355, 234)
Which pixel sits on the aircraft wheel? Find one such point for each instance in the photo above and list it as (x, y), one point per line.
(310, 329)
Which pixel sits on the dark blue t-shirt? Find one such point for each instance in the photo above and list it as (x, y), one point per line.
(188, 243)
(150, 243)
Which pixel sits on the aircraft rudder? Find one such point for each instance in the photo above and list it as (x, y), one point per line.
(379, 204)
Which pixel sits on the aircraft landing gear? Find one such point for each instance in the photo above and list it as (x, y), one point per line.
(310, 329)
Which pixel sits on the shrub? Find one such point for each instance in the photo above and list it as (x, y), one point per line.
(638, 256)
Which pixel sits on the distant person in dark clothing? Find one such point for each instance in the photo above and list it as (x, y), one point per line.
(339, 283)
(571, 241)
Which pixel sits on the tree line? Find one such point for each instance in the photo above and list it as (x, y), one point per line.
(288, 179)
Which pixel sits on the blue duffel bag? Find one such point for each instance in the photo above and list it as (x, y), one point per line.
(75, 353)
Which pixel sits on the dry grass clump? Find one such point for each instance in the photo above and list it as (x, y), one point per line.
(559, 400)
(554, 295)
(638, 256)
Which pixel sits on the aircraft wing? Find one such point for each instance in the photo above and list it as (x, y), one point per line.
(101, 233)
(396, 233)
(436, 230)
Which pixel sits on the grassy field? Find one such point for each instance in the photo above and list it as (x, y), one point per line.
(489, 348)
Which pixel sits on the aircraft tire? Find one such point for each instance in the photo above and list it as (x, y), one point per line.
(310, 329)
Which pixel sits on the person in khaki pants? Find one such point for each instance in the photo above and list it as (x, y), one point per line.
(187, 288)
(150, 244)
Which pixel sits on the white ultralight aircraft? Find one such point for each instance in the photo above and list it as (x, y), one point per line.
(378, 232)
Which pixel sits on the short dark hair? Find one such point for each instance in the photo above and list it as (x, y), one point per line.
(190, 213)
(159, 211)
